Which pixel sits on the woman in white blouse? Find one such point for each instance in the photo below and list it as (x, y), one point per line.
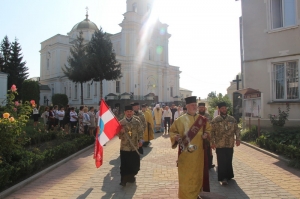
(177, 113)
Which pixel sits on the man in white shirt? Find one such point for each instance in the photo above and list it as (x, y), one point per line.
(73, 119)
(167, 117)
(61, 114)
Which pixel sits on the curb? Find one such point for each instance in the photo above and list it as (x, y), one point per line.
(18, 186)
(279, 157)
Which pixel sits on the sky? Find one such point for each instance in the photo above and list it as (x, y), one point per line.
(204, 43)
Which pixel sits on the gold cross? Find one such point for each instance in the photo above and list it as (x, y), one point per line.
(130, 133)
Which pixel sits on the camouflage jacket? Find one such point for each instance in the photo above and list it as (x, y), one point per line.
(223, 131)
(134, 131)
(141, 116)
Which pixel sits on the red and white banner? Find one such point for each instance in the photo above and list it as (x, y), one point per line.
(108, 127)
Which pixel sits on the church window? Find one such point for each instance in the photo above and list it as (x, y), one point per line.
(286, 80)
(134, 7)
(88, 92)
(171, 91)
(52, 89)
(117, 86)
(48, 63)
(75, 91)
(95, 85)
(69, 92)
(283, 13)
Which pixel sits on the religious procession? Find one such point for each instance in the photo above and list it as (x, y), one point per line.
(192, 132)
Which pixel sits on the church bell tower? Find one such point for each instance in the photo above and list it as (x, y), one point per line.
(141, 7)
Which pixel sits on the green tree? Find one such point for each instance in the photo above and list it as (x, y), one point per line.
(60, 100)
(77, 70)
(213, 101)
(17, 70)
(6, 52)
(31, 91)
(102, 60)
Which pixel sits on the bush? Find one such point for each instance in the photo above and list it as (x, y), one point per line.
(24, 163)
(249, 134)
(60, 100)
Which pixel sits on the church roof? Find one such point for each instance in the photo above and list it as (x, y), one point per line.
(85, 24)
(111, 94)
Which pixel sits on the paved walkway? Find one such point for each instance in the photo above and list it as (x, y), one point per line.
(257, 176)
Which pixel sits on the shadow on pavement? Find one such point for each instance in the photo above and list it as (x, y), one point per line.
(86, 194)
(228, 191)
(147, 150)
(283, 165)
(111, 182)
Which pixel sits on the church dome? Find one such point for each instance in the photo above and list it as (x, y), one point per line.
(85, 24)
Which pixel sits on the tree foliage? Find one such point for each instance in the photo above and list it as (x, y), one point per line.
(31, 91)
(77, 68)
(6, 52)
(214, 100)
(60, 100)
(101, 59)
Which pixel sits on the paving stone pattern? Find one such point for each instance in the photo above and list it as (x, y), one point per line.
(257, 175)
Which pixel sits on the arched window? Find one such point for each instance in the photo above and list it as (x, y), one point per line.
(88, 92)
(134, 7)
(75, 96)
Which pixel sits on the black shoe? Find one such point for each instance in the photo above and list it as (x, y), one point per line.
(211, 166)
(122, 184)
(224, 181)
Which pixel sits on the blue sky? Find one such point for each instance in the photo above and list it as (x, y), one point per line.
(204, 42)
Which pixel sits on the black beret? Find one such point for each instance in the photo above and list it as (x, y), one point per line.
(201, 104)
(144, 105)
(128, 108)
(221, 104)
(191, 99)
(135, 104)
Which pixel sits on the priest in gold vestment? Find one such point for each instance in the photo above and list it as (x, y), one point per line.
(190, 164)
(149, 130)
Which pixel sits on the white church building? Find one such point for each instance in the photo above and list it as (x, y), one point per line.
(140, 47)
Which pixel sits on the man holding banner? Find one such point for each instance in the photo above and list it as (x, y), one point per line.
(131, 136)
(189, 132)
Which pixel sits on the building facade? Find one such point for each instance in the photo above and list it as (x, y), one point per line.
(141, 47)
(3, 88)
(271, 55)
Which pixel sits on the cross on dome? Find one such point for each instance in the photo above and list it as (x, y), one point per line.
(87, 12)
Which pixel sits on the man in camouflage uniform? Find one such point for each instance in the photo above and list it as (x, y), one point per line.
(202, 109)
(137, 113)
(224, 127)
(131, 136)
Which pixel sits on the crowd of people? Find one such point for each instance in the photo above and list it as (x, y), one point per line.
(67, 119)
(192, 130)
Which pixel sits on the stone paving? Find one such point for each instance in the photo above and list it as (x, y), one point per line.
(257, 175)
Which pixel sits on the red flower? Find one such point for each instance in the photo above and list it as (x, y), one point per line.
(16, 103)
(13, 88)
(32, 102)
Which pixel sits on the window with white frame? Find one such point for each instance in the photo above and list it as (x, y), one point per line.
(88, 90)
(95, 85)
(117, 86)
(286, 80)
(75, 91)
(283, 13)
(134, 7)
(171, 91)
